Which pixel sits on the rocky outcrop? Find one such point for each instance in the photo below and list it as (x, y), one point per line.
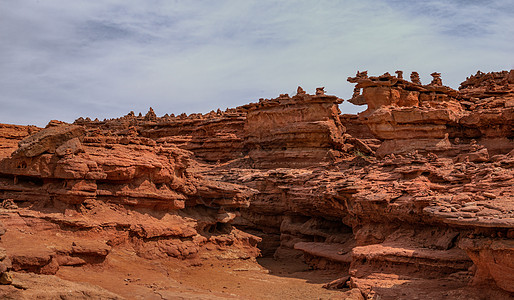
(212, 137)
(490, 102)
(11, 135)
(399, 111)
(440, 119)
(413, 196)
(294, 131)
(68, 178)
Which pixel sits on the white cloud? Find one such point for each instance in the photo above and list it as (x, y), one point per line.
(65, 59)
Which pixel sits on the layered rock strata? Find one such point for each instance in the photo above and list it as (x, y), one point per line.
(412, 197)
(122, 190)
(294, 131)
(440, 119)
(212, 137)
(10, 135)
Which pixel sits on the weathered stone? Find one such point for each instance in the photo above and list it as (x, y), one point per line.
(48, 140)
(6, 278)
(404, 196)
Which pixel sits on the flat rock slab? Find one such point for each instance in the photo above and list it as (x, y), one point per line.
(33, 286)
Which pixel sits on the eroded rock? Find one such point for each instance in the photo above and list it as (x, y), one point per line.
(412, 197)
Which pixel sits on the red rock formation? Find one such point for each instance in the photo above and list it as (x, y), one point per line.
(107, 184)
(294, 131)
(216, 136)
(490, 102)
(412, 197)
(10, 135)
(437, 117)
(399, 111)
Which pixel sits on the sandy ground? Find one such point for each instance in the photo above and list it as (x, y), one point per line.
(134, 278)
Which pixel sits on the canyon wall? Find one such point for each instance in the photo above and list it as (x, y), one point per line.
(413, 196)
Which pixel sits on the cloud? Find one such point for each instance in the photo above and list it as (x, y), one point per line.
(62, 59)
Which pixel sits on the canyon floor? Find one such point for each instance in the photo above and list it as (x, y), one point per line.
(232, 279)
(212, 276)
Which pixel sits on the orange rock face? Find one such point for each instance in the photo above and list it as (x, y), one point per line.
(414, 196)
(293, 132)
(435, 115)
(111, 183)
(10, 135)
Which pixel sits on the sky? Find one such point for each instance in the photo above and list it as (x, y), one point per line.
(62, 59)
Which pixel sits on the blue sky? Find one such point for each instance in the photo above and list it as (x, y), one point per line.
(101, 59)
